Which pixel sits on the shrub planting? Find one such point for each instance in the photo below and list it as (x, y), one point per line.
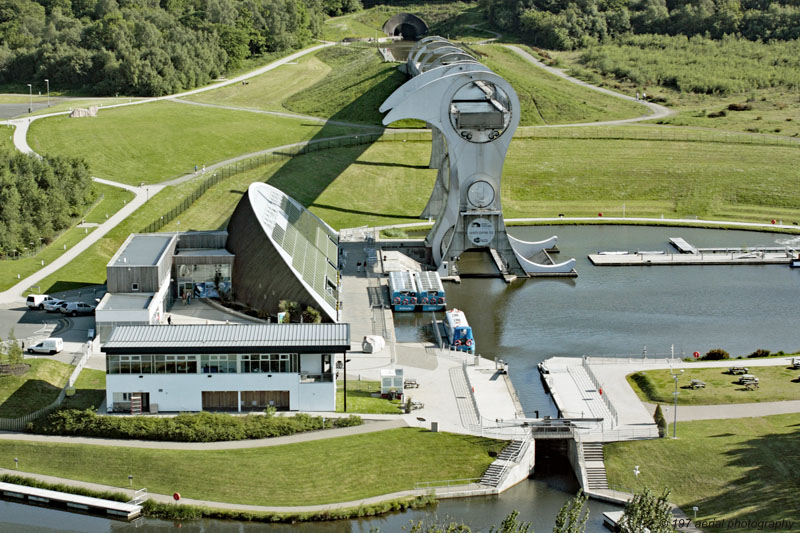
(198, 427)
(759, 353)
(716, 354)
(660, 421)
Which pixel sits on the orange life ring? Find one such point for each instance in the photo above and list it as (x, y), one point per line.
(424, 300)
(469, 342)
(457, 343)
(441, 300)
(397, 300)
(405, 301)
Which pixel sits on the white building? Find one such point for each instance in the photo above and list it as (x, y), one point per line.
(223, 367)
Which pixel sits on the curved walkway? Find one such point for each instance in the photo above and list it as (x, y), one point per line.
(442, 492)
(729, 410)
(368, 427)
(656, 110)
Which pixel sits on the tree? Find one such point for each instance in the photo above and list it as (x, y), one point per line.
(15, 355)
(645, 510)
(510, 524)
(311, 316)
(716, 354)
(291, 308)
(569, 519)
(661, 422)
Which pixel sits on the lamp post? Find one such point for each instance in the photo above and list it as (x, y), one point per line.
(47, 81)
(30, 98)
(345, 382)
(675, 409)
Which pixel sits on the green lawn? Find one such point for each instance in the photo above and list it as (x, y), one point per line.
(775, 384)
(90, 390)
(12, 270)
(338, 28)
(153, 142)
(741, 468)
(330, 470)
(37, 388)
(271, 89)
(548, 99)
(7, 138)
(360, 399)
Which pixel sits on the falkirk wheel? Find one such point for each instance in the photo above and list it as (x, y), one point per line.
(472, 113)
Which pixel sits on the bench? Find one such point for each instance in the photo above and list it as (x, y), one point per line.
(410, 384)
(751, 385)
(697, 384)
(737, 370)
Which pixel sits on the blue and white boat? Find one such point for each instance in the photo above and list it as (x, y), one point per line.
(430, 292)
(402, 291)
(459, 334)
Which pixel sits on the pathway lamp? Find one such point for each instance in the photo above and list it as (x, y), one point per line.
(16, 463)
(48, 91)
(675, 409)
(130, 480)
(30, 98)
(345, 383)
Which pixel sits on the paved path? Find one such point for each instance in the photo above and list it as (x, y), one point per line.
(656, 111)
(368, 427)
(687, 413)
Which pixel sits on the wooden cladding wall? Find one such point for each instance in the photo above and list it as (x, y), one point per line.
(261, 399)
(220, 400)
(260, 276)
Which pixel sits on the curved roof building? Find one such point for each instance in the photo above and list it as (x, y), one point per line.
(283, 252)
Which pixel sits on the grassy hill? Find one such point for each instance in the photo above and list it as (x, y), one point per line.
(154, 142)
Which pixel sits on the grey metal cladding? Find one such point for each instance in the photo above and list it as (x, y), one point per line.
(200, 338)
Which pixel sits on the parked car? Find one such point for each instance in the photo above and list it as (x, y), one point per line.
(77, 308)
(37, 301)
(50, 346)
(52, 306)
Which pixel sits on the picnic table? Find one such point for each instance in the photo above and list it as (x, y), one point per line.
(737, 370)
(751, 385)
(410, 384)
(698, 384)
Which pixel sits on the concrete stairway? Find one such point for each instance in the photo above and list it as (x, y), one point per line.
(494, 474)
(594, 402)
(595, 467)
(466, 409)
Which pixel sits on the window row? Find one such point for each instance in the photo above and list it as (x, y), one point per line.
(202, 364)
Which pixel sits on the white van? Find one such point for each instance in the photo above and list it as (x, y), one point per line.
(36, 301)
(50, 346)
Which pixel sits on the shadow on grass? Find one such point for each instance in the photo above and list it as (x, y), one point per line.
(357, 212)
(33, 395)
(305, 178)
(768, 488)
(85, 399)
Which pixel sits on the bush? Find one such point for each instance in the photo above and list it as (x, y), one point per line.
(196, 427)
(717, 354)
(739, 107)
(660, 421)
(647, 387)
(759, 353)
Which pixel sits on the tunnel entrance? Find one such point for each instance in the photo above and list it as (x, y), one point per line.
(409, 27)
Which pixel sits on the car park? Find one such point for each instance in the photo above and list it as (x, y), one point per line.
(53, 306)
(37, 301)
(77, 308)
(49, 346)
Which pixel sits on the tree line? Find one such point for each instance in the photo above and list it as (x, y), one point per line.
(566, 25)
(148, 47)
(39, 198)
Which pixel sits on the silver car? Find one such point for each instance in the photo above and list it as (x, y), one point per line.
(77, 308)
(52, 306)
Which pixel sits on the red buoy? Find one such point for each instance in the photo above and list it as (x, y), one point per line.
(176, 496)
(773, 220)
(599, 214)
(696, 354)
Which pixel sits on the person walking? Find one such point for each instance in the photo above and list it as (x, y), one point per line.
(169, 320)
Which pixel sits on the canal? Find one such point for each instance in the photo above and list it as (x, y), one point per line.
(604, 311)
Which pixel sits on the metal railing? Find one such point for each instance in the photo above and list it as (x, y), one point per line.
(470, 390)
(599, 387)
(446, 483)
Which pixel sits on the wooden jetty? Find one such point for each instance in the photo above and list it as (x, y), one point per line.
(69, 502)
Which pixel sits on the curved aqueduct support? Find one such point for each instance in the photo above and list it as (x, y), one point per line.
(472, 113)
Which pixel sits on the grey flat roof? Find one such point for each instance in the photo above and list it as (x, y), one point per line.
(143, 250)
(204, 251)
(229, 338)
(125, 302)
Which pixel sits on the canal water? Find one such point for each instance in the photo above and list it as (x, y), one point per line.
(604, 311)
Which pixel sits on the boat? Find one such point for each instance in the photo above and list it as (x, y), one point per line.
(430, 292)
(458, 331)
(651, 252)
(613, 253)
(402, 291)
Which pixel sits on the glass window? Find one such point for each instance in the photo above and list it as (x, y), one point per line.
(160, 363)
(112, 362)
